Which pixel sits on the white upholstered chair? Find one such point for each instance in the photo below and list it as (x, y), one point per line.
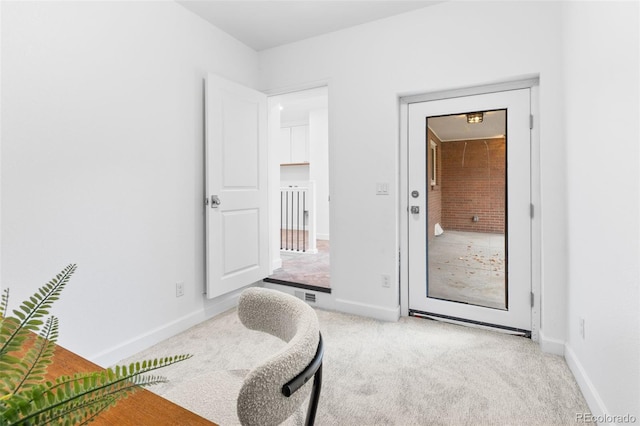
(275, 390)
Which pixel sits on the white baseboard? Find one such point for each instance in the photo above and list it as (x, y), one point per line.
(327, 301)
(139, 343)
(550, 345)
(371, 311)
(595, 403)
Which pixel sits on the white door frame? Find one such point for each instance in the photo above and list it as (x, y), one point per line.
(536, 230)
(274, 164)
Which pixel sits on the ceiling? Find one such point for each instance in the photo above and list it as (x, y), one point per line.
(265, 24)
(456, 128)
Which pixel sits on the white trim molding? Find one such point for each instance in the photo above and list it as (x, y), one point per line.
(532, 82)
(550, 345)
(520, 82)
(326, 301)
(370, 311)
(589, 391)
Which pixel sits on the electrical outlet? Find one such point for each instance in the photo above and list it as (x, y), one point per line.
(386, 281)
(179, 289)
(581, 330)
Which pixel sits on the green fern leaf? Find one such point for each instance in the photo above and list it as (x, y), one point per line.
(38, 357)
(19, 314)
(25, 397)
(4, 302)
(9, 359)
(10, 325)
(45, 296)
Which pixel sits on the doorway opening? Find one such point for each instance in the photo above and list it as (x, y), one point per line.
(467, 248)
(302, 151)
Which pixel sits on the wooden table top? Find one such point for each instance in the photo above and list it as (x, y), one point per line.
(140, 409)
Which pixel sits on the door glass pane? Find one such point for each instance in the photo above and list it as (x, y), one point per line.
(466, 185)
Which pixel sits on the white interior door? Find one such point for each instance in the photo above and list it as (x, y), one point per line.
(237, 237)
(514, 311)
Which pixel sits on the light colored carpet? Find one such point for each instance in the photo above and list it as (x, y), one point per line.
(411, 372)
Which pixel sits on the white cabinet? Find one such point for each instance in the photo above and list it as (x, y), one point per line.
(294, 144)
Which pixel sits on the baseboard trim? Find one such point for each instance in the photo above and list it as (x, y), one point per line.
(551, 346)
(365, 310)
(326, 301)
(143, 341)
(589, 391)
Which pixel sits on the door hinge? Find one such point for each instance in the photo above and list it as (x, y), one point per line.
(531, 210)
(530, 121)
(532, 299)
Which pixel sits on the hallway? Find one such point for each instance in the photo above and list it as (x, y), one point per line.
(303, 268)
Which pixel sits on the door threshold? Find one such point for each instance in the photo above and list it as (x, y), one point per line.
(472, 323)
(298, 285)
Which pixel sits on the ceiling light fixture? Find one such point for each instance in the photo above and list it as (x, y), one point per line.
(474, 117)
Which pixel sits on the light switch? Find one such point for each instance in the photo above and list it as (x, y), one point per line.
(382, 188)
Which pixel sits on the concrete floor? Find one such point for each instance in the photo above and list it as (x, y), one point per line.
(468, 267)
(464, 267)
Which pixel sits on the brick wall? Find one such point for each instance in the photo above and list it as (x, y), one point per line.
(473, 183)
(434, 199)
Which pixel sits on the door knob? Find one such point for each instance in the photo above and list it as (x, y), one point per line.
(215, 201)
(415, 209)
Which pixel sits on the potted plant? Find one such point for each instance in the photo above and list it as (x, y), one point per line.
(27, 345)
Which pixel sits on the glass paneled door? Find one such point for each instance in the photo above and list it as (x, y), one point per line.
(469, 209)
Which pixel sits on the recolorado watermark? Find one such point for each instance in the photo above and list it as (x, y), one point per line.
(605, 418)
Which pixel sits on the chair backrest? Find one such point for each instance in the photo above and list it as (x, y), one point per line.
(261, 400)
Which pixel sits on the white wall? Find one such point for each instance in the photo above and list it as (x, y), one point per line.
(601, 79)
(295, 173)
(367, 68)
(102, 165)
(319, 167)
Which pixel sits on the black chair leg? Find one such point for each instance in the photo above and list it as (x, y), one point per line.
(314, 397)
